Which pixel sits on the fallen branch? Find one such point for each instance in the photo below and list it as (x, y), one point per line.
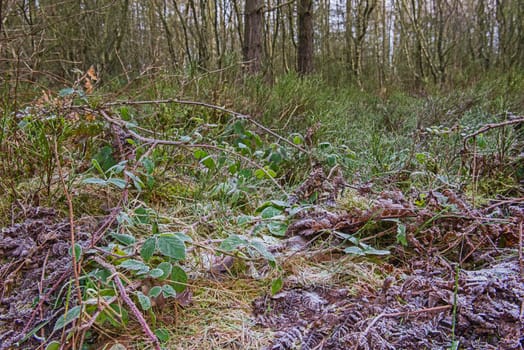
(188, 145)
(211, 106)
(490, 126)
(129, 302)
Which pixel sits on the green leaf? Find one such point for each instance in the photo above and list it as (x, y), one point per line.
(142, 215)
(162, 334)
(125, 239)
(208, 162)
(179, 278)
(104, 159)
(199, 154)
(168, 291)
(166, 268)
(144, 301)
(171, 246)
(68, 317)
(120, 183)
(401, 234)
(155, 291)
(66, 92)
(54, 345)
(233, 242)
(136, 180)
(266, 173)
(148, 165)
(276, 285)
(148, 248)
(97, 166)
(298, 140)
(182, 236)
(95, 181)
(277, 228)
(156, 273)
(270, 212)
(354, 251)
(117, 168)
(135, 265)
(78, 251)
(373, 251)
(262, 249)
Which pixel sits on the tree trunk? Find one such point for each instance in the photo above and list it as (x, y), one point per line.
(253, 26)
(305, 37)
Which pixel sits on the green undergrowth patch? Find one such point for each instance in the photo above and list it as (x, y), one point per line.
(205, 214)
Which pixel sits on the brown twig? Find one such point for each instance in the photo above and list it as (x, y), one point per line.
(521, 258)
(71, 222)
(129, 302)
(188, 145)
(211, 106)
(490, 126)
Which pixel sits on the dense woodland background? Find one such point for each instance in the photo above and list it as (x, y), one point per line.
(371, 43)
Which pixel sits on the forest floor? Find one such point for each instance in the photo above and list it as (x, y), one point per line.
(196, 227)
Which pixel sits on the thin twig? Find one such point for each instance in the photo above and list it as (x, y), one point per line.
(129, 302)
(490, 126)
(211, 106)
(71, 222)
(189, 145)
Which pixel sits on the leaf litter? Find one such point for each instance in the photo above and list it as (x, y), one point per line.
(455, 281)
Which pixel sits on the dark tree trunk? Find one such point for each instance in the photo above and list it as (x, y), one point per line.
(305, 37)
(253, 26)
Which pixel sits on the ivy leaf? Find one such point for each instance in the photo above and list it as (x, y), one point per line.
(68, 317)
(171, 246)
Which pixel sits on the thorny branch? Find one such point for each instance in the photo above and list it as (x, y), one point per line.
(490, 126)
(211, 106)
(188, 145)
(129, 302)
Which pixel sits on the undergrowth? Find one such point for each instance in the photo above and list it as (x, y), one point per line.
(199, 201)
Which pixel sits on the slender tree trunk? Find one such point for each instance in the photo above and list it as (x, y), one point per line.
(305, 37)
(253, 27)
